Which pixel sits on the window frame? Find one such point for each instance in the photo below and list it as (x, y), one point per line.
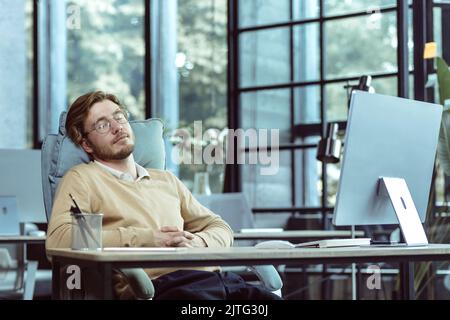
(233, 176)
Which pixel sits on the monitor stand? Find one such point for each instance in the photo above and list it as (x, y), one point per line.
(408, 217)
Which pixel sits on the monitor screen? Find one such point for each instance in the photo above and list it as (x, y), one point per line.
(20, 172)
(9, 217)
(385, 137)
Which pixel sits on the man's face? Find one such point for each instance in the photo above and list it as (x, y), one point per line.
(117, 143)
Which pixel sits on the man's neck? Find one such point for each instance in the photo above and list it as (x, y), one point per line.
(126, 165)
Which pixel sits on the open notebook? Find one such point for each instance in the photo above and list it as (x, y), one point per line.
(143, 249)
(326, 243)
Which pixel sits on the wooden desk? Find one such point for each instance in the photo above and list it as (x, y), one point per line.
(104, 262)
(296, 234)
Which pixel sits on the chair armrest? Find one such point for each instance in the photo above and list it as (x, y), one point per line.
(31, 229)
(269, 276)
(140, 283)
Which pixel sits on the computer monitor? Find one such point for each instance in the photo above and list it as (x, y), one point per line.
(385, 137)
(20, 176)
(9, 217)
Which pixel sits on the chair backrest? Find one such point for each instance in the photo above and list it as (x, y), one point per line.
(59, 153)
(232, 207)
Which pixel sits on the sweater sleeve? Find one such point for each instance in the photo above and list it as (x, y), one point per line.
(200, 220)
(59, 228)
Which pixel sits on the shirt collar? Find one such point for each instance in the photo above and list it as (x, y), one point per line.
(141, 172)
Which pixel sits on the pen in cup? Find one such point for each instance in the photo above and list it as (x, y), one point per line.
(79, 226)
(83, 224)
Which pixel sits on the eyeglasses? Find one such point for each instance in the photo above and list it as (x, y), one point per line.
(103, 125)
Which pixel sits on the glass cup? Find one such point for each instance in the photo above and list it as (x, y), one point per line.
(87, 231)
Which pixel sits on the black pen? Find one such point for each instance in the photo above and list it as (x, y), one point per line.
(86, 225)
(80, 223)
(75, 203)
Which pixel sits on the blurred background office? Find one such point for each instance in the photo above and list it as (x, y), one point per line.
(263, 64)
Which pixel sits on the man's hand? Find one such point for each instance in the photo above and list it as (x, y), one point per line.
(169, 236)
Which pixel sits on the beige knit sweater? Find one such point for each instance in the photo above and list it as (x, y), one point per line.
(133, 210)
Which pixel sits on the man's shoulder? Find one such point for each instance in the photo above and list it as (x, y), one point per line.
(83, 169)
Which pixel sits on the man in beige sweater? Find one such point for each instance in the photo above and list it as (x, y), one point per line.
(141, 207)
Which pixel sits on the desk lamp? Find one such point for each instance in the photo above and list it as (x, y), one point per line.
(329, 147)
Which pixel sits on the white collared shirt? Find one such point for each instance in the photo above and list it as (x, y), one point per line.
(141, 172)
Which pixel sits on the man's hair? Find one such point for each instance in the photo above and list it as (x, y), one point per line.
(79, 110)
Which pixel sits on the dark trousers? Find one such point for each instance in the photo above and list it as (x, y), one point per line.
(205, 285)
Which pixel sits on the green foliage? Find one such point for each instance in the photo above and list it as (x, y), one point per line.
(437, 227)
(443, 73)
(202, 37)
(443, 152)
(107, 52)
(365, 46)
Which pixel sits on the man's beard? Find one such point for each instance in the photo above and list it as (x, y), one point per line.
(104, 153)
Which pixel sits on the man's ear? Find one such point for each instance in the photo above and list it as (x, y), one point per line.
(86, 145)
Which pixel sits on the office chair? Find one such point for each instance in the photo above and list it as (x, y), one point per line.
(232, 207)
(235, 210)
(17, 274)
(59, 154)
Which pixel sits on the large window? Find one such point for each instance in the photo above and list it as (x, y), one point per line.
(441, 16)
(202, 42)
(197, 91)
(292, 65)
(294, 60)
(16, 74)
(85, 46)
(105, 50)
(162, 58)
